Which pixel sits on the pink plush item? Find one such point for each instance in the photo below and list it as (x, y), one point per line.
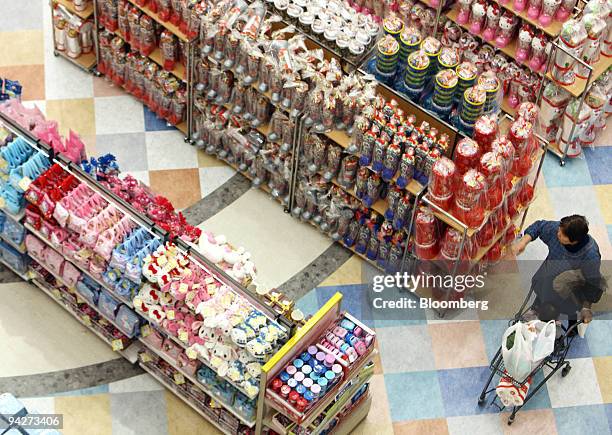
(519, 5)
(545, 20)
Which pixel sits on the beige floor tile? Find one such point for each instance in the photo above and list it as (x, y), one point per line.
(457, 345)
(348, 273)
(367, 428)
(89, 415)
(604, 195)
(538, 422)
(24, 47)
(603, 368)
(31, 78)
(180, 186)
(204, 160)
(182, 419)
(77, 114)
(436, 426)
(40, 336)
(280, 245)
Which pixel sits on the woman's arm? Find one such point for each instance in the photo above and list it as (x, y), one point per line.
(544, 230)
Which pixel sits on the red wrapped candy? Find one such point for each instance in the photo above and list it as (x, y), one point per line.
(451, 244)
(442, 178)
(520, 135)
(485, 131)
(467, 154)
(491, 167)
(425, 227)
(471, 186)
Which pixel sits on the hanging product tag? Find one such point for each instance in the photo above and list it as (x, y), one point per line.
(24, 183)
(3, 163)
(2, 202)
(86, 320)
(183, 336)
(170, 315)
(179, 379)
(117, 345)
(56, 293)
(145, 331)
(191, 353)
(145, 357)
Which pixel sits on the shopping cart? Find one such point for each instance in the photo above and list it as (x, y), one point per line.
(555, 361)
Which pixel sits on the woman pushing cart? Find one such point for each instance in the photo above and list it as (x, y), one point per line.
(568, 282)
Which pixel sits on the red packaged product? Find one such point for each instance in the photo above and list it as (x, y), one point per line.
(472, 216)
(425, 230)
(467, 154)
(491, 166)
(451, 243)
(485, 131)
(494, 254)
(504, 148)
(443, 202)
(529, 111)
(526, 194)
(442, 177)
(471, 186)
(486, 234)
(520, 135)
(513, 205)
(510, 235)
(427, 252)
(521, 165)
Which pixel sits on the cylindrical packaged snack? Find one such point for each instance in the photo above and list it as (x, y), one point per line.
(467, 155)
(441, 181)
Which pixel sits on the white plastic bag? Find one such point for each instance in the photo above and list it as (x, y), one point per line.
(518, 358)
(544, 343)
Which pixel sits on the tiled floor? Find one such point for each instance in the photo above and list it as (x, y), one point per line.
(430, 371)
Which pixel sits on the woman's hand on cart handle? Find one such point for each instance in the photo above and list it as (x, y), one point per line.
(519, 247)
(586, 314)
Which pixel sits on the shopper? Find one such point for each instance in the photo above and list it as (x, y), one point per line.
(570, 277)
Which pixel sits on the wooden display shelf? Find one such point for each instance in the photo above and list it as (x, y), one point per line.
(350, 422)
(68, 4)
(340, 137)
(579, 86)
(86, 60)
(182, 127)
(179, 68)
(505, 107)
(553, 29)
(168, 25)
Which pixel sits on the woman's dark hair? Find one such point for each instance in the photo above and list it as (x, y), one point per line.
(575, 227)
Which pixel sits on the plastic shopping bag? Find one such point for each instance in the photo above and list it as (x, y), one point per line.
(544, 343)
(517, 350)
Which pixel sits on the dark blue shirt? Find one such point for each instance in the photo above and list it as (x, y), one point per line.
(587, 259)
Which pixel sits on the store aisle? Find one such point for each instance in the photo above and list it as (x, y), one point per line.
(429, 372)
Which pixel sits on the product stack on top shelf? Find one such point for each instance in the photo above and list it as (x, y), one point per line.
(146, 51)
(125, 265)
(74, 32)
(527, 34)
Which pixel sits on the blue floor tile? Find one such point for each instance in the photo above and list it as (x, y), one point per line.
(598, 335)
(461, 389)
(540, 399)
(492, 332)
(582, 419)
(608, 408)
(574, 173)
(309, 303)
(579, 348)
(100, 389)
(414, 396)
(154, 123)
(353, 300)
(599, 161)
